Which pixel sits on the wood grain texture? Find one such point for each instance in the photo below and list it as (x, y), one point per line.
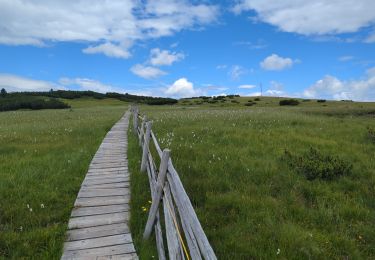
(98, 226)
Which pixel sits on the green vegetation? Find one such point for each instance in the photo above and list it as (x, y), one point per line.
(314, 165)
(371, 134)
(9, 102)
(69, 94)
(250, 202)
(44, 156)
(289, 102)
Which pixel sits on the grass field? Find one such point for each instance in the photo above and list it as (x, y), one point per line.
(231, 160)
(250, 202)
(44, 156)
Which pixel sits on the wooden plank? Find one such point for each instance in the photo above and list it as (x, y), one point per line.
(103, 181)
(88, 211)
(108, 186)
(98, 242)
(98, 231)
(107, 176)
(101, 201)
(89, 193)
(97, 220)
(101, 252)
(122, 257)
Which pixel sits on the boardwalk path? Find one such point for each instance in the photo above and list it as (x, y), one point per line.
(98, 227)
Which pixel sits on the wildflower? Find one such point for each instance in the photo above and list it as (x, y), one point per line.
(42, 206)
(28, 206)
(21, 228)
(150, 201)
(278, 251)
(31, 210)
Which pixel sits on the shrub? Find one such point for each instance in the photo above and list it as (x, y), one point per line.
(29, 102)
(321, 100)
(371, 134)
(289, 102)
(315, 165)
(250, 103)
(257, 99)
(3, 92)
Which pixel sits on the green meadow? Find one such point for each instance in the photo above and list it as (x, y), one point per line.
(252, 201)
(44, 156)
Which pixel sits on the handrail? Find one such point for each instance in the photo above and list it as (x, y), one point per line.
(180, 220)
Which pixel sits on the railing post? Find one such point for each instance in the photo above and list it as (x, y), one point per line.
(142, 130)
(145, 146)
(135, 120)
(158, 194)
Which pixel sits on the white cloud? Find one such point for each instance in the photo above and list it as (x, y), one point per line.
(147, 72)
(95, 21)
(182, 88)
(275, 62)
(221, 67)
(164, 57)
(236, 72)
(247, 86)
(89, 84)
(312, 17)
(345, 58)
(109, 49)
(331, 87)
(253, 94)
(13, 83)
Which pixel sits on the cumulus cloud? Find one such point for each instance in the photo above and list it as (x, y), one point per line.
(109, 49)
(312, 17)
(164, 57)
(236, 72)
(96, 21)
(247, 86)
(89, 84)
(147, 72)
(13, 83)
(182, 88)
(330, 87)
(275, 62)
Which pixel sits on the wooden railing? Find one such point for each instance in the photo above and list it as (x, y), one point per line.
(183, 231)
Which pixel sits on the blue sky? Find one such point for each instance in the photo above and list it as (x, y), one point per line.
(176, 48)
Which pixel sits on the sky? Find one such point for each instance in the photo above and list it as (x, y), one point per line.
(177, 48)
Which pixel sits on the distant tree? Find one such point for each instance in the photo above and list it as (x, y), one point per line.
(3, 92)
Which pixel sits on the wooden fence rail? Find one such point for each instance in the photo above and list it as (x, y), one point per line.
(183, 231)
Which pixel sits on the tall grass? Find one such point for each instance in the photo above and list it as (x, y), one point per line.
(250, 202)
(44, 156)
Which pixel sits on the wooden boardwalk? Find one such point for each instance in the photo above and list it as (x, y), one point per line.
(98, 226)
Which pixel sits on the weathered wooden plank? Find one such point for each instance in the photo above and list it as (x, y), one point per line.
(101, 252)
(89, 193)
(101, 201)
(98, 242)
(108, 176)
(98, 231)
(103, 181)
(108, 186)
(89, 211)
(97, 220)
(122, 257)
